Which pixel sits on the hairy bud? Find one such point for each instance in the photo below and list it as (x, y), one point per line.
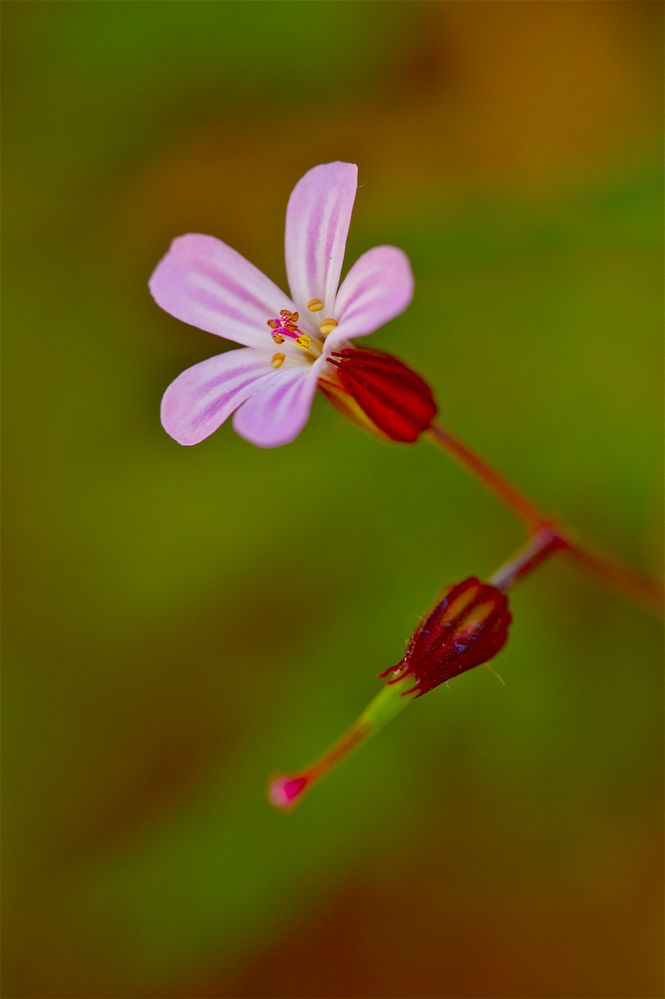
(467, 627)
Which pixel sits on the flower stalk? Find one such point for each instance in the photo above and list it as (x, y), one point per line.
(541, 545)
(612, 572)
(491, 479)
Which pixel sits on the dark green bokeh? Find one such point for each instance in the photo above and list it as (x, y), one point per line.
(182, 622)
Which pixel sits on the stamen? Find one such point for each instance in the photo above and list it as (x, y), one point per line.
(278, 360)
(304, 341)
(315, 305)
(327, 326)
(285, 325)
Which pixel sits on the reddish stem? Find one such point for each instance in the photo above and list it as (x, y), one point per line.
(542, 526)
(285, 792)
(620, 577)
(544, 543)
(511, 497)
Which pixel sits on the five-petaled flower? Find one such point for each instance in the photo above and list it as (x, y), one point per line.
(291, 344)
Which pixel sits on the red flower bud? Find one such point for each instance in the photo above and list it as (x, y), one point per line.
(466, 628)
(378, 390)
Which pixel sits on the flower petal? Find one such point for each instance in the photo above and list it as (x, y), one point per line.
(377, 288)
(279, 410)
(317, 222)
(205, 283)
(203, 396)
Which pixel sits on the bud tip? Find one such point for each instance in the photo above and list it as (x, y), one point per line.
(284, 792)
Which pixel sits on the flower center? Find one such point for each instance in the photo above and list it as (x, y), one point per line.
(286, 325)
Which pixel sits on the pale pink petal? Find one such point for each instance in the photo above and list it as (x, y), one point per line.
(205, 283)
(377, 288)
(317, 222)
(279, 410)
(202, 397)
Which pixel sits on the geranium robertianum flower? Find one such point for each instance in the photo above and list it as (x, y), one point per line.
(292, 344)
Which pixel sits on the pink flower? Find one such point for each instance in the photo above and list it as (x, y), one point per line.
(287, 342)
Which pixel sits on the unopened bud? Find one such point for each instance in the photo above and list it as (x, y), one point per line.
(467, 627)
(380, 392)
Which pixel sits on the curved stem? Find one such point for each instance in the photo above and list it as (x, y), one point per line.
(543, 543)
(493, 480)
(612, 572)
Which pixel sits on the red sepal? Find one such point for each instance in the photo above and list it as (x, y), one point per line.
(397, 401)
(466, 628)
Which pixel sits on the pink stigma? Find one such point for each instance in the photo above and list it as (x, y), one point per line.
(285, 791)
(285, 324)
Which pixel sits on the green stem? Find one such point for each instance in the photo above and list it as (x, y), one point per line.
(286, 791)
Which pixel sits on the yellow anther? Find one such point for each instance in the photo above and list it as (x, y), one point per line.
(285, 313)
(315, 305)
(304, 341)
(295, 316)
(327, 326)
(273, 324)
(278, 338)
(278, 360)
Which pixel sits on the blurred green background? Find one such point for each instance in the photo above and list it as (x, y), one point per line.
(179, 623)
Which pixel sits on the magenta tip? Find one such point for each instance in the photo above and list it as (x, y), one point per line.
(284, 792)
